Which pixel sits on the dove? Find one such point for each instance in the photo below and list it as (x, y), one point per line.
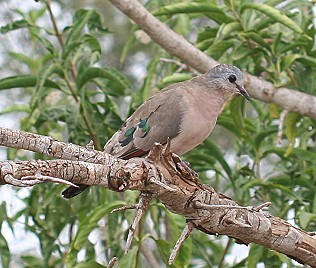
(184, 112)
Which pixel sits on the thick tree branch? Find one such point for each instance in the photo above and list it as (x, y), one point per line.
(176, 45)
(162, 175)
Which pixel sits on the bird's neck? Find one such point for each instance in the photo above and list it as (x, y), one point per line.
(209, 103)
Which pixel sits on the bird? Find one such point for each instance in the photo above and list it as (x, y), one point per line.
(184, 112)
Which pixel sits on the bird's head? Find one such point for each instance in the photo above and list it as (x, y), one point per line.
(229, 79)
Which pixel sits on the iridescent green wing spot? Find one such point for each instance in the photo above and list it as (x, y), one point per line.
(144, 126)
(129, 136)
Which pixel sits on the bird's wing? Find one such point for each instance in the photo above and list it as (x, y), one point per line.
(156, 120)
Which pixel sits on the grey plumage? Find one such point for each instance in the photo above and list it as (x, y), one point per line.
(185, 112)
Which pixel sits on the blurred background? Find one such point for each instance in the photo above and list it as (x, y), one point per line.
(75, 70)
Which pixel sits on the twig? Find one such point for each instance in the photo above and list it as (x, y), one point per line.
(184, 235)
(280, 127)
(112, 262)
(144, 200)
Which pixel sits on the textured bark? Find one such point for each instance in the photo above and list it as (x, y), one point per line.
(178, 46)
(163, 175)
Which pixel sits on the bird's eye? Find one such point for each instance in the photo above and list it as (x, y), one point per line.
(232, 78)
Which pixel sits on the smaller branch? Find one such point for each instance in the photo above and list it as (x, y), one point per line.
(52, 18)
(149, 256)
(184, 235)
(123, 208)
(258, 208)
(144, 200)
(40, 178)
(50, 147)
(224, 253)
(280, 127)
(112, 262)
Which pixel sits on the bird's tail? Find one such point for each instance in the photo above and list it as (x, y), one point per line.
(70, 192)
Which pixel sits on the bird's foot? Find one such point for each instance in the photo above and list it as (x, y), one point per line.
(90, 145)
(184, 235)
(185, 168)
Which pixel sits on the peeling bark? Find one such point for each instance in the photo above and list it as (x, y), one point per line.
(164, 176)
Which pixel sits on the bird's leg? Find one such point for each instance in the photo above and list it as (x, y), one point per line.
(185, 168)
(141, 207)
(90, 145)
(184, 235)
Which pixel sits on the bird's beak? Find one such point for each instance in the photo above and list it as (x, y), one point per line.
(242, 91)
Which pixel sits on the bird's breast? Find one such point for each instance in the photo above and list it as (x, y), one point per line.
(198, 121)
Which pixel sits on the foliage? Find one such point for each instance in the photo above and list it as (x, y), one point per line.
(73, 98)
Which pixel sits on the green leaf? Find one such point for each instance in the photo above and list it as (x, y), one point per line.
(47, 44)
(146, 91)
(4, 247)
(273, 2)
(19, 24)
(24, 81)
(129, 260)
(256, 37)
(236, 112)
(218, 49)
(31, 62)
(91, 222)
(307, 60)
(174, 78)
(15, 108)
(218, 155)
(226, 121)
(288, 60)
(129, 43)
(270, 186)
(305, 218)
(290, 129)
(4, 252)
(116, 83)
(226, 29)
(210, 9)
(273, 13)
(41, 91)
(304, 154)
(193, 7)
(89, 264)
(81, 19)
(32, 261)
(254, 256)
